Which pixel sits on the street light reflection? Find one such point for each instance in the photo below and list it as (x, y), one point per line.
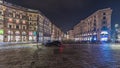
(115, 46)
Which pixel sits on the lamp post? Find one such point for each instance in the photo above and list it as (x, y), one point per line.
(43, 31)
(38, 25)
(10, 35)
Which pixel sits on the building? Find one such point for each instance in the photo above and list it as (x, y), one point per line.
(96, 27)
(47, 29)
(116, 34)
(70, 34)
(32, 21)
(40, 28)
(19, 24)
(53, 34)
(1, 22)
(57, 33)
(15, 23)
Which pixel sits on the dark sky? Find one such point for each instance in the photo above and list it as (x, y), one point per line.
(67, 13)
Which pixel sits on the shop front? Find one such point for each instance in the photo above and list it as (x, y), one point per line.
(24, 37)
(30, 36)
(40, 37)
(17, 37)
(104, 36)
(10, 36)
(35, 36)
(1, 35)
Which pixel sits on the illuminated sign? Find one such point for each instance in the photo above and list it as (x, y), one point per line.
(104, 36)
(34, 33)
(94, 33)
(104, 39)
(30, 33)
(1, 31)
(94, 38)
(104, 32)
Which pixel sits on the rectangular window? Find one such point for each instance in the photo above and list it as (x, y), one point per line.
(10, 26)
(24, 27)
(1, 18)
(13, 14)
(17, 26)
(0, 12)
(30, 28)
(30, 23)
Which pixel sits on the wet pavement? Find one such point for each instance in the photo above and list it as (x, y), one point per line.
(67, 56)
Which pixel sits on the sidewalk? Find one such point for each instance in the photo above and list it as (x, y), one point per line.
(12, 45)
(17, 43)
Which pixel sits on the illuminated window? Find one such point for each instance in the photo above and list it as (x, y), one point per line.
(17, 21)
(24, 22)
(1, 1)
(10, 32)
(1, 18)
(24, 33)
(17, 32)
(30, 33)
(10, 19)
(13, 14)
(104, 39)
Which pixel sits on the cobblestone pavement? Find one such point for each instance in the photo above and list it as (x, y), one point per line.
(68, 56)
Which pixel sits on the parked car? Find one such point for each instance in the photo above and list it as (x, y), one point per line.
(54, 43)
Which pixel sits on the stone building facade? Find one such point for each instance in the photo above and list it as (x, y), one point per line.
(15, 23)
(96, 27)
(19, 24)
(70, 34)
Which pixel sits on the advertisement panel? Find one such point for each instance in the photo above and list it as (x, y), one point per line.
(1, 31)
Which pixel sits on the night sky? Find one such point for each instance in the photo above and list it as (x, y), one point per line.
(67, 13)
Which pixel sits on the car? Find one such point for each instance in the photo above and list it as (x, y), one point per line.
(56, 43)
(53, 43)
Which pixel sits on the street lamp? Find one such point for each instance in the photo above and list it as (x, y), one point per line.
(38, 30)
